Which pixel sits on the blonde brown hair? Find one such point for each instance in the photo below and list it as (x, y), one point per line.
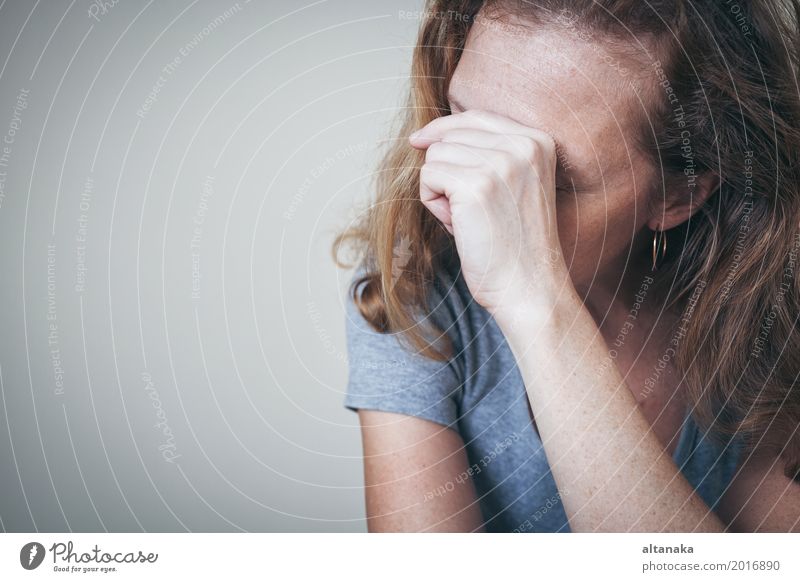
(732, 69)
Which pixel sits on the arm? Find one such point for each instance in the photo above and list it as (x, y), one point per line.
(491, 182)
(406, 459)
(599, 446)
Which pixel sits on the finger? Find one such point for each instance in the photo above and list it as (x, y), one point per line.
(471, 156)
(436, 183)
(442, 178)
(475, 119)
(496, 160)
(483, 146)
(518, 145)
(440, 208)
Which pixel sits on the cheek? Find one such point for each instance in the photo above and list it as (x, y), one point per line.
(595, 228)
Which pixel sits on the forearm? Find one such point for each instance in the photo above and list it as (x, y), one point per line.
(599, 446)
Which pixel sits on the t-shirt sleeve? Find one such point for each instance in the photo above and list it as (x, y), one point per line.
(385, 374)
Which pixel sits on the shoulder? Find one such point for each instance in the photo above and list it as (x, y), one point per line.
(388, 374)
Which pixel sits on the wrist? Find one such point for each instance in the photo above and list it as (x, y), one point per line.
(542, 304)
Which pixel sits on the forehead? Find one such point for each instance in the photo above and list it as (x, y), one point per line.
(556, 80)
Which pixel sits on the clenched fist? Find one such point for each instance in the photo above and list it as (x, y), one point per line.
(491, 182)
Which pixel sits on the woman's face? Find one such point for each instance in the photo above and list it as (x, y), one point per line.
(571, 88)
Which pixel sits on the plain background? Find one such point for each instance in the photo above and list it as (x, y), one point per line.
(173, 173)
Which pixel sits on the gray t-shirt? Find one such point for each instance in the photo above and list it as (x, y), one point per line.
(480, 393)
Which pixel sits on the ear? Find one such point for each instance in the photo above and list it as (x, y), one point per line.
(682, 201)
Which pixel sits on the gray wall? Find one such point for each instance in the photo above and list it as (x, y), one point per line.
(171, 176)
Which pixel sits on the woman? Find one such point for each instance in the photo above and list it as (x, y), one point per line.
(578, 301)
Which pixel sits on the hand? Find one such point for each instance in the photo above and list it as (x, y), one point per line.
(491, 182)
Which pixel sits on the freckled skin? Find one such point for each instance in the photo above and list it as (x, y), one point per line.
(557, 83)
(552, 80)
(612, 463)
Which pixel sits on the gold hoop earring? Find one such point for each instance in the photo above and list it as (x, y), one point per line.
(659, 241)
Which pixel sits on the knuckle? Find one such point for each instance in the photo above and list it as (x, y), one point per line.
(547, 147)
(503, 166)
(433, 171)
(527, 148)
(425, 172)
(538, 147)
(482, 183)
(434, 150)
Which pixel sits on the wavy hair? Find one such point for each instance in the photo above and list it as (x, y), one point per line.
(732, 108)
